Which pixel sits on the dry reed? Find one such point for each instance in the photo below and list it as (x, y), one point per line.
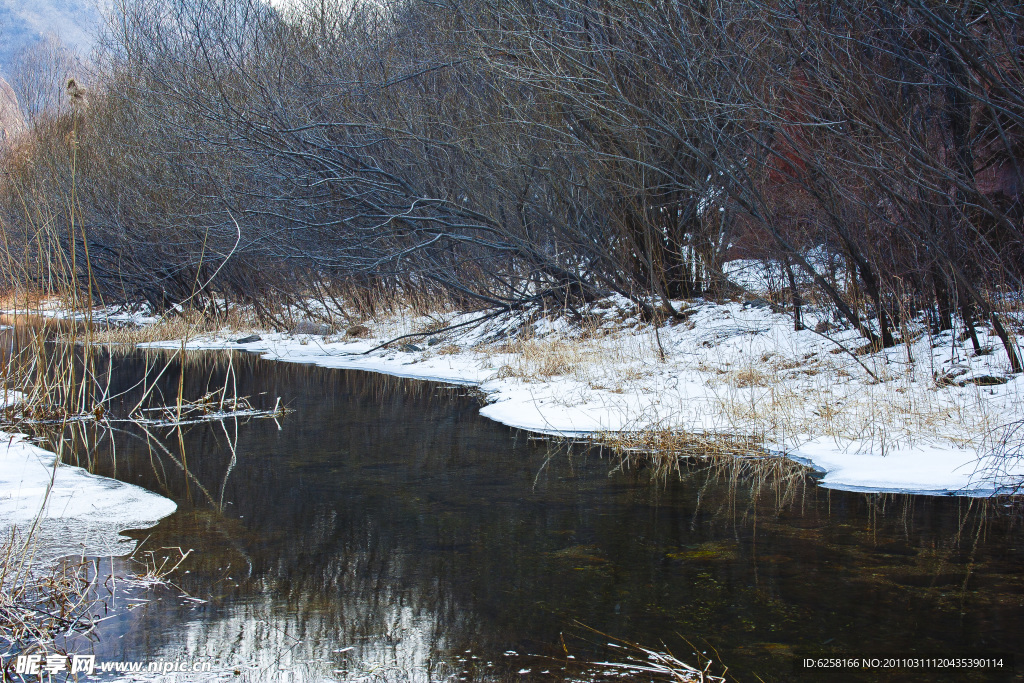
(35, 606)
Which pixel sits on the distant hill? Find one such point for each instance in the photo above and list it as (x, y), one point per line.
(11, 121)
(26, 22)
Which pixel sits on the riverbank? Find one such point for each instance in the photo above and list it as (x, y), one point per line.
(927, 416)
(366, 465)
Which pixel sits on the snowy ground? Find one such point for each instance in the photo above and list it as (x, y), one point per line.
(58, 310)
(60, 510)
(927, 417)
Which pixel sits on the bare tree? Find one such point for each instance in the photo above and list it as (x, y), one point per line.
(510, 153)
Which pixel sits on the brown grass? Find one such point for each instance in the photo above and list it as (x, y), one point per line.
(35, 607)
(749, 377)
(582, 355)
(666, 448)
(180, 326)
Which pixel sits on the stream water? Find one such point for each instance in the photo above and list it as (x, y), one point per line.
(383, 530)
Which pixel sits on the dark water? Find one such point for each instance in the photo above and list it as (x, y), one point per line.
(386, 516)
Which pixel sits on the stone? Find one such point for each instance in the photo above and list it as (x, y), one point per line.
(984, 381)
(309, 327)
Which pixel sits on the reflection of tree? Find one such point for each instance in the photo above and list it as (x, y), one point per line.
(386, 516)
(299, 539)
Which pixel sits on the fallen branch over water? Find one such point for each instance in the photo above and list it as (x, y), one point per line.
(211, 407)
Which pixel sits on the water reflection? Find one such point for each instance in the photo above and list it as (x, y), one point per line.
(387, 517)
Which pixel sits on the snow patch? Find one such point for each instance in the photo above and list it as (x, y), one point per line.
(74, 512)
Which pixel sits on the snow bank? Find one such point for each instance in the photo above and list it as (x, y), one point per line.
(81, 513)
(110, 315)
(917, 419)
(923, 469)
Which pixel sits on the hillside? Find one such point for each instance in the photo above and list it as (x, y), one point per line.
(23, 24)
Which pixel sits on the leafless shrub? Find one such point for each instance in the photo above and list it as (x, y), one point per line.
(539, 153)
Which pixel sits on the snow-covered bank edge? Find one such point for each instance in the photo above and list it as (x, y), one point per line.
(106, 315)
(60, 510)
(615, 384)
(64, 510)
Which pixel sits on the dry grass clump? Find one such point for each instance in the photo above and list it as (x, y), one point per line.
(749, 377)
(601, 359)
(666, 448)
(36, 607)
(673, 443)
(752, 473)
(539, 358)
(53, 382)
(68, 381)
(181, 325)
(434, 326)
(632, 661)
(827, 399)
(356, 305)
(27, 300)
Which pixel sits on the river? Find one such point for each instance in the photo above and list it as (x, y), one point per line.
(383, 530)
